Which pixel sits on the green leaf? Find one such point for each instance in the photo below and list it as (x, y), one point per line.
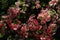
(15, 22)
(1, 35)
(29, 39)
(39, 31)
(52, 12)
(43, 4)
(40, 18)
(53, 39)
(18, 16)
(24, 16)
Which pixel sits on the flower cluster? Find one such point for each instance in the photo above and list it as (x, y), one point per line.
(44, 16)
(53, 2)
(40, 27)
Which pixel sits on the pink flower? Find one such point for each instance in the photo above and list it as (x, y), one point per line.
(19, 22)
(53, 2)
(25, 35)
(51, 29)
(13, 26)
(43, 21)
(17, 4)
(45, 37)
(31, 17)
(33, 25)
(35, 22)
(47, 17)
(37, 4)
(8, 21)
(44, 16)
(38, 27)
(13, 12)
(1, 25)
(32, 28)
(24, 28)
(40, 16)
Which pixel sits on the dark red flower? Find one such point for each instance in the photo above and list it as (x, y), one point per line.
(1, 25)
(24, 28)
(38, 27)
(25, 35)
(13, 12)
(51, 29)
(35, 22)
(14, 26)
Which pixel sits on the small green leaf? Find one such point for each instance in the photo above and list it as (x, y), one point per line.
(1, 35)
(40, 18)
(51, 13)
(53, 39)
(15, 22)
(43, 4)
(39, 31)
(18, 17)
(24, 16)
